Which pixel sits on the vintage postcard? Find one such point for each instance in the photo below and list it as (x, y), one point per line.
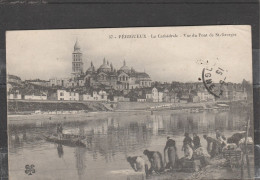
(130, 103)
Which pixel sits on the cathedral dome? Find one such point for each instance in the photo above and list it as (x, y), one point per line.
(125, 68)
(105, 66)
(91, 69)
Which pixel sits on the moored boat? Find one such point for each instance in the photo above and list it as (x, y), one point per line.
(65, 141)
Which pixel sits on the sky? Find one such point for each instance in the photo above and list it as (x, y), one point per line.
(45, 54)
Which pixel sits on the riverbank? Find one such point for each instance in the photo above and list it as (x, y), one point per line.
(74, 107)
(158, 106)
(54, 107)
(218, 169)
(182, 107)
(77, 117)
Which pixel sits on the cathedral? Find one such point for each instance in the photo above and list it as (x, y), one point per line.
(105, 76)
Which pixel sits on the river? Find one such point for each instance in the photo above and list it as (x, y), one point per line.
(110, 139)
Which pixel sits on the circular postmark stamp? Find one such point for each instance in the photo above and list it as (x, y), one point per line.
(214, 78)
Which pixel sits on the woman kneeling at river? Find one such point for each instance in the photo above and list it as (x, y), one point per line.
(139, 164)
(155, 159)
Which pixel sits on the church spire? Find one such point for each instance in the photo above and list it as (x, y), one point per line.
(77, 63)
(124, 62)
(76, 46)
(104, 61)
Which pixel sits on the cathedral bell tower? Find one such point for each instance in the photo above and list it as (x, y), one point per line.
(77, 64)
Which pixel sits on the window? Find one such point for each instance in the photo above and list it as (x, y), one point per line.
(61, 94)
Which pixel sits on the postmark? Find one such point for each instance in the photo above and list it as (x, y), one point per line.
(214, 78)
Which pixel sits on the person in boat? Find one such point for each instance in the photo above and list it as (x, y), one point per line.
(155, 159)
(187, 140)
(139, 164)
(170, 147)
(59, 131)
(196, 141)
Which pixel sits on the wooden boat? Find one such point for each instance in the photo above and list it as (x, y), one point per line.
(65, 141)
(73, 136)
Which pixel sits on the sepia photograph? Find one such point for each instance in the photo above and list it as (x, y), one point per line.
(130, 103)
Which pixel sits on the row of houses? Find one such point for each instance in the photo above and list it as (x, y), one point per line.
(161, 93)
(63, 95)
(202, 95)
(60, 95)
(150, 95)
(66, 95)
(173, 97)
(17, 95)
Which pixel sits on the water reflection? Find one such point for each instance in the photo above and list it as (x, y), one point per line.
(60, 150)
(109, 134)
(112, 139)
(80, 162)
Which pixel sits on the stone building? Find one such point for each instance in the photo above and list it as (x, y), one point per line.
(105, 76)
(12, 81)
(77, 63)
(94, 96)
(154, 95)
(63, 95)
(77, 74)
(124, 79)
